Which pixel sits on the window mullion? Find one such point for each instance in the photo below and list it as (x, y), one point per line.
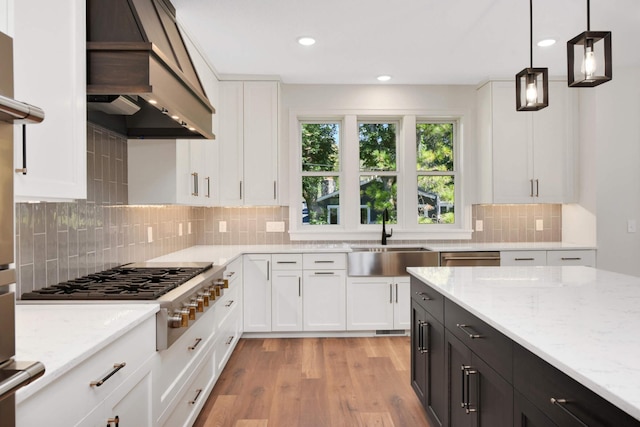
(349, 174)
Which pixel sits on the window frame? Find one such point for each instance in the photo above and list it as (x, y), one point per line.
(406, 172)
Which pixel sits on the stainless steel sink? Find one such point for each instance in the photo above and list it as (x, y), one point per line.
(388, 260)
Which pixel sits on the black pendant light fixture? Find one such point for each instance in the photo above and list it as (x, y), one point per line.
(589, 57)
(532, 84)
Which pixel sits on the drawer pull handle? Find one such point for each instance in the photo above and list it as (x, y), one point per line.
(570, 258)
(286, 262)
(116, 368)
(324, 262)
(195, 399)
(425, 342)
(462, 327)
(231, 273)
(560, 403)
(524, 259)
(424, 296)
(228, 304)
(195, 344)
(466, 372)
(229, 340)
(326, 273)
(115, 420)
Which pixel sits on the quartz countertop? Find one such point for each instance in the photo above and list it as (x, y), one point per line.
(61, 336)
(582, 320)
(222, 255)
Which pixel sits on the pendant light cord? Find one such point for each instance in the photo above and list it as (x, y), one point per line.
(531, 32)
(588, 15)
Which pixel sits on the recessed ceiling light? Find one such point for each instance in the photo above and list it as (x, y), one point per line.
(384, 78)
(306, 41)
(546, 42)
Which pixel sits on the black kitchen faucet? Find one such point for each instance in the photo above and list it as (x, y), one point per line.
(385, 218)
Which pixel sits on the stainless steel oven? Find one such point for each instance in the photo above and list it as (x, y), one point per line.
(13, 374)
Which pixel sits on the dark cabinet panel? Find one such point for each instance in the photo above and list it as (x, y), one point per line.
(431, 300)
(525, 414)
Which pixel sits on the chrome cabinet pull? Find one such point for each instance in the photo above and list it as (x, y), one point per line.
(268, 265)
(195, 183)
(326, 273)
(116, 368)
(570, 258)
(467, 371)
(396, 293)
(390, 293)
(537, 188)
(524, 259)
(229, 340)
(324, 261)
(425, 343)
(115, 420)
(464, 328)
(208, 179)
(286, 262)
(424, 296)
(195, 344)
(531, 191)
(195, 399)
(560, 403)
(228, 304)
(240, 190)
(274, 190)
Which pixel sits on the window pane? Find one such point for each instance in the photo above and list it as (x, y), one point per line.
(436, 196)
(320, 143)
(320, 200)
(435, 146)
(377, 146)
(376, 194)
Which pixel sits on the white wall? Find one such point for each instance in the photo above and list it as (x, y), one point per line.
(433, 99)
(617, 130)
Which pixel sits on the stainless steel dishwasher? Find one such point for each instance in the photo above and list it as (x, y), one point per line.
(469, 259)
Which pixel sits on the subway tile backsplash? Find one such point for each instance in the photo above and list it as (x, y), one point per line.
(62, 241)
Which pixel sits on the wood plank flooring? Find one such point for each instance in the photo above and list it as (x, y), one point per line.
(315, 382)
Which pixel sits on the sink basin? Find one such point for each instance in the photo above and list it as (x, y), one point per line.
(388, 260)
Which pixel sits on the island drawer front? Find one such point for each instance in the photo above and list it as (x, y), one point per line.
(572, 257)
(488, 343)
(538, 382)
(429, 299)
(324, 261)
(286, 261)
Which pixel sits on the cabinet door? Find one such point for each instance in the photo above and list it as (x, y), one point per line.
(552, 155)
(324, 300)
(428, 363)
(50, 72)
(519, 258)
(511, 146)
(461, 392)
(370, 303)
(230, 139)
(134, 408)
(257, 293)
(402, 303)
(525, 414)
(494, 398)
(260, 143)
(286, 300)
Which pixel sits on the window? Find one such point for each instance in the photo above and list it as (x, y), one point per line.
(353, 167)
(320, 173)
(378, 171)
(435, 172)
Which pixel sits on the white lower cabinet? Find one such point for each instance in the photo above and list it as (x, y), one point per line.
(124, 366)
(375, 303)
(256, 274)
(286, 292)
(324, 300)
(584, 257)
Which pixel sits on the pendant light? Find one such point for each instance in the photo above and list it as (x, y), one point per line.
(532, 84)
(589, 57)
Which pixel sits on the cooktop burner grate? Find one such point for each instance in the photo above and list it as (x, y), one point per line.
(120, 283)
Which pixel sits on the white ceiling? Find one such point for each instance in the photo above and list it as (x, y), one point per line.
(415, 41)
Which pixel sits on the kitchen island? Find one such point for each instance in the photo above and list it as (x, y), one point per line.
(581, 321)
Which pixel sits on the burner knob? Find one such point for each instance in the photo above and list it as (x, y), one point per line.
(175, 320)
(184, 317)
(218, 287)
(205, 297)
(212, 292)
(225, 283)
(199, 301)
(191, 309)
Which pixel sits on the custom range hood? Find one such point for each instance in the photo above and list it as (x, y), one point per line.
(140, 78)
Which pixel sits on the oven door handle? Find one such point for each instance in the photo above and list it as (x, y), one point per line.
(25, 372)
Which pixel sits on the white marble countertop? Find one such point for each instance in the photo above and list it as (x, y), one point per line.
(61, 336)
(221, 255)
(581, 320)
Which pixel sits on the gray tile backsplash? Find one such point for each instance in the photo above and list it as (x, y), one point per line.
(61, 241)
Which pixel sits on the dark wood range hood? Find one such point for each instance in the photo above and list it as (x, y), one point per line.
(140, 78)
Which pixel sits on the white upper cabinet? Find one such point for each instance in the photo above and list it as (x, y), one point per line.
(248, 137)
(525, 157)
(50, 72)
(6, 17)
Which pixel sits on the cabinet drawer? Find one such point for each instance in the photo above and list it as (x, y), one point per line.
(578, 257)
(324, 261)
(286, 261)
(233, 270)
(430, 300)
(539, 382)
(515, 258)
(485, 341)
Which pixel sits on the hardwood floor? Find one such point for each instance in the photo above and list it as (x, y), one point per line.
(309, 382)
